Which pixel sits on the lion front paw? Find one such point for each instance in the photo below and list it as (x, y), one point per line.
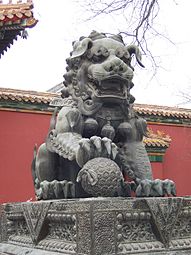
(95, 147)
(156, 188)
(56, 189)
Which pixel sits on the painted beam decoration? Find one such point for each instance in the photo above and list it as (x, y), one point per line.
(156, 144)
(15, 18)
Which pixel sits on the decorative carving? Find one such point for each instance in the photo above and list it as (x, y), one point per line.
(165, 213)
(134, 227)
(97, 226)
(84, 235)
(21, 240)
(141, 248)
(62, 227)
(35, 214)
(19, 228)
(104, 236)
(62, 231)
(137, 231)
(57, 246)
(158, 138)
(100, 177)
(3, 226)
(182, 227)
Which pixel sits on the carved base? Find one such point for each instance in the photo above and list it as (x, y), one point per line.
(97, 226)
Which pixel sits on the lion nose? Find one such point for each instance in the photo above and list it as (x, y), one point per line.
(115, 66)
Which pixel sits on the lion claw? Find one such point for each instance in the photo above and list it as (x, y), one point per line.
(155, 188)
(95, 147)
(56, 189)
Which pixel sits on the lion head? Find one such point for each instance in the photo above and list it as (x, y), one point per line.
(99, 71)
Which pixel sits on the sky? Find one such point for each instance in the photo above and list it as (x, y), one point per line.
(38, 63)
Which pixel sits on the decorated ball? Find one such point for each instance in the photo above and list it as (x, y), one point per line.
(100, 177)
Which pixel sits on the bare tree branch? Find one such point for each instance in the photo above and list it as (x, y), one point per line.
(139, 16)
(185, 96)
(142, 13)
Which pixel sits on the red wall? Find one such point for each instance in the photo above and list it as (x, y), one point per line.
(19, 131)
(158, 171)
(177, 159)
(18, 134)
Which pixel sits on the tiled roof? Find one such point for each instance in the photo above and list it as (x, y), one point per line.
(163, 111)
(26, 96)
(46, 97)
(14, 18)
(157, 139)
(16, 14)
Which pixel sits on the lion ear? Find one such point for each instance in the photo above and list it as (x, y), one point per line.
(133, 49)
(80, 47)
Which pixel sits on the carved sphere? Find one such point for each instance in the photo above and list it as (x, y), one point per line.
(90, 127)
(108, 131)
(100, 177)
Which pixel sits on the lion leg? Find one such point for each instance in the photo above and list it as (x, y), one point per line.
(46, 164)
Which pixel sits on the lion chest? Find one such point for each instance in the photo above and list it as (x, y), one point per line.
(108, 114)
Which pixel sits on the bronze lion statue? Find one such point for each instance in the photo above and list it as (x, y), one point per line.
(94, 143)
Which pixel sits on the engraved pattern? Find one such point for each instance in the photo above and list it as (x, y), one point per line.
(137, 231)
(35, 214)
(3, 225)
(181, 244)
(66, 205)
(143, 248)
(108, 177)
(21, 240)
(103, 226)
(114, 204)
(165, 213)
(84, 234)
(62, 226)
(62, 231)
(104, 239)
(46, 244)
(13, 208)
(182, 228)
(18, 228)
(134, 227)
(55, 245)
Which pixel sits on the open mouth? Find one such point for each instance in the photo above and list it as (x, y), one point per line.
(113, 86)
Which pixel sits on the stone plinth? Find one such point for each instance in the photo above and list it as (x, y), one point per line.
(97, 226)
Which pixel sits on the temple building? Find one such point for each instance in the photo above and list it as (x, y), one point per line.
(15, 18)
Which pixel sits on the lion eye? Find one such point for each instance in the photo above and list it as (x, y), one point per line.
(97, 58)
(123, 54)
(126, 59)
(98, 53)
(105, 52)
(120, 52)
(126, 55)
